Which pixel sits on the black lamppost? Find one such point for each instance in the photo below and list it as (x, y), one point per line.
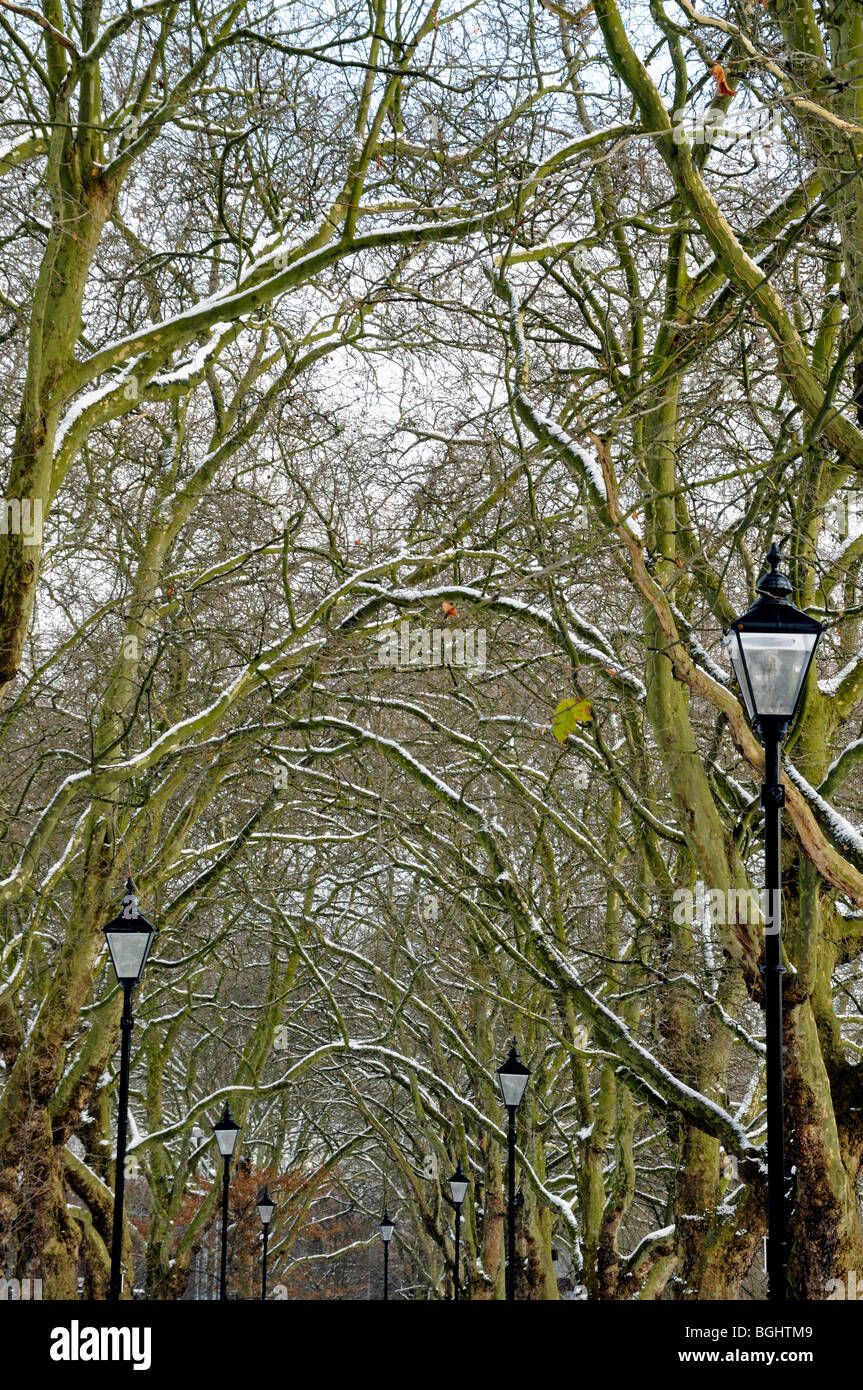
(512, 1078)
(387, 1225)
(130, 939)
(771, 649)
(266, 1207)
(227, 1132)
(457, 1189)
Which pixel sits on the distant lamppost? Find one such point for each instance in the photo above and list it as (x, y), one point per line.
(512, 1078)
(386, 1228)
(227, 1132)
(130, 939)
(266, 1207)
(458, 1184)
(771, 649)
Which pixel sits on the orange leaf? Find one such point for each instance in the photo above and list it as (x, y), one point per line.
(722, 87)
(449, 609)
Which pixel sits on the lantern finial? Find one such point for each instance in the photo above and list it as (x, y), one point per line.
(774, 584)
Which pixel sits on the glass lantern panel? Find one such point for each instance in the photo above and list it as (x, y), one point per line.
(129, 951)
(512, 1086)
(227, 1141)
(732, 647)
(777, 663)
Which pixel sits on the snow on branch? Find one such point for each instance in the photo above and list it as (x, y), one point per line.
(846, 836)
(581, 464)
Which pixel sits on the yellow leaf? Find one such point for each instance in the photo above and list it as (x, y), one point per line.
(568, 715)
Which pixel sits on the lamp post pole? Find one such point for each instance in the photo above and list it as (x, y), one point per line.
(227, 1132)
(512, 1079)
(510, 1209)
(129, 938)
(266, 1207)
(223, 1259)
(127, 1023)
(458, 1185)
(772, 647)
(386, 1229)
(457, 1239)
(772, 800)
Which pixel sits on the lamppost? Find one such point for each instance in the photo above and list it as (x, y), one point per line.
(512, 1078)
(387, 1225)
(266, 1207)
(457, 1188)
(771, 650)
(227, 1132)
(130, 939)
